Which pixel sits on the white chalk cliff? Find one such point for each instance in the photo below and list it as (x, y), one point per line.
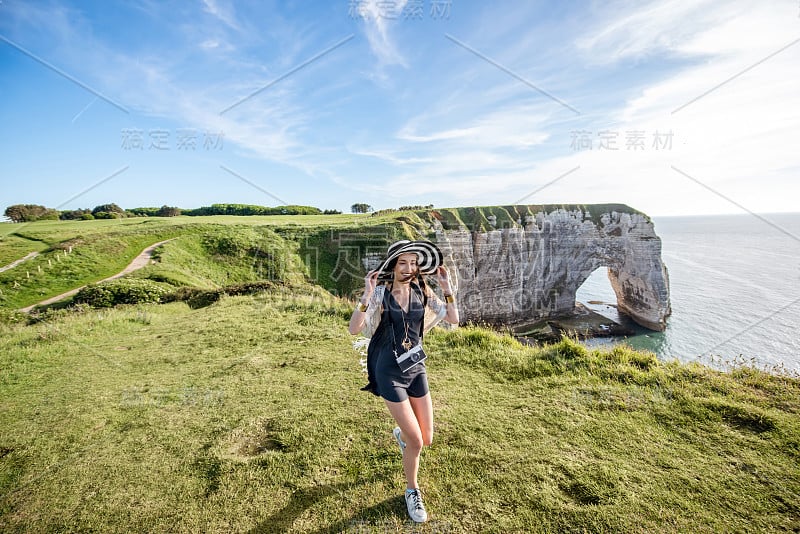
(529, 266)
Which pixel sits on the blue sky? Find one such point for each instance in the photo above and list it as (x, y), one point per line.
(673, 107)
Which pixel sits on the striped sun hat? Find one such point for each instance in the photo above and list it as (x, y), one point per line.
(429, 257)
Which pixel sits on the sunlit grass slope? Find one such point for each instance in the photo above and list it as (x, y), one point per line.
(246, 415)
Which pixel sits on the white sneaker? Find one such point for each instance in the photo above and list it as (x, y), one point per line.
(400, 442)
(416, 510)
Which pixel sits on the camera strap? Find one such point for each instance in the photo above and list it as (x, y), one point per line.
(423, 298)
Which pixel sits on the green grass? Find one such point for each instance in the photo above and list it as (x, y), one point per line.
(102, 248)
(246, 416)
(13, 248)
(56, 270)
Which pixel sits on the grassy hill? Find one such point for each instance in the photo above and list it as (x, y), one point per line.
(75, 253)
(245, 414)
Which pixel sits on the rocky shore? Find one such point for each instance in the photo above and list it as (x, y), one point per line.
(583, 323)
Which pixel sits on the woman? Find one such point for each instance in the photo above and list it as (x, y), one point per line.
(392, 312)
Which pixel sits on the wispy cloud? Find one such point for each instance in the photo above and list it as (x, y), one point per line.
(633, 30)
(735, 138)
(222, 10)
(270, 126)
(519, 127)
(377, 22)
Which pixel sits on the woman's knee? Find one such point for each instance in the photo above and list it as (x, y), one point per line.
(415, 442)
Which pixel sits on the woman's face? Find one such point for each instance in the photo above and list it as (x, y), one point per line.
(406, 267)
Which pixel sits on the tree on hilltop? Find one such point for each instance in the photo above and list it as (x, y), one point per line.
(168, 211)
(30, 212)
(360, 208)
(76, 215)
(107, 209)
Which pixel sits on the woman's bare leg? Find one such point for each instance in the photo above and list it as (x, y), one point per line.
(415, 419)
(423, 411)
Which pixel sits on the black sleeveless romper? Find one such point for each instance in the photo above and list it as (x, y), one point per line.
(385, 377)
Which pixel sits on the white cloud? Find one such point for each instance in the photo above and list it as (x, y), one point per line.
(222, 10)
(376, 26)
(387, 155)
(267, 125)
(639, 29)
(737, 140)
(519, 127)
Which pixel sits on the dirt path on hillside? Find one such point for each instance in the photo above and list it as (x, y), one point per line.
(17, 262)
(138, 262)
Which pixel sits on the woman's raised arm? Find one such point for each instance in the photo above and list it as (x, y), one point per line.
(359, 313)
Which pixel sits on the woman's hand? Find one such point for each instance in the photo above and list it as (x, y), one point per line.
(443, 278)
(370, 281)
(357, 319)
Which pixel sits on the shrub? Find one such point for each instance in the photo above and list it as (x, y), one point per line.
(168, 211)
(104, 215)
(112, 209)
(76, 215)
(122, 291)
(49, 314)
(195, 297)
(142, 212)
(181, 294)
(249, 209)
(249, 288)
(204, 298)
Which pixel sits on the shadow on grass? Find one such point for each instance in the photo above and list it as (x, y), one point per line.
(377, 518)
(301, 500)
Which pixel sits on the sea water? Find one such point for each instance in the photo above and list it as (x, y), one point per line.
(734, 288)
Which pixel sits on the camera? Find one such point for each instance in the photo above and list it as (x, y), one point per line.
(411, 357)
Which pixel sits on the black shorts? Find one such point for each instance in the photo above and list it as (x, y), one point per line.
(397, 386)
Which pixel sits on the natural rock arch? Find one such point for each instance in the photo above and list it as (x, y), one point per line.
(596, 289)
